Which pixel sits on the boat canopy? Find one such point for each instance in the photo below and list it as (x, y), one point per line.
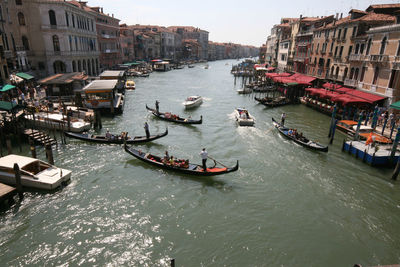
(9, 160)
(102, 86)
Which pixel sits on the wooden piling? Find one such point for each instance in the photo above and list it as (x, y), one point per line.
(32, 147)
(343, 144)
(18, 181)
(172, 262)
(49, 154)
(8, 144)
(396, 170)
(333, 131)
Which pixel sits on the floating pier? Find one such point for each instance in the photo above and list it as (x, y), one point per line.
(7, 192)
(368, 154)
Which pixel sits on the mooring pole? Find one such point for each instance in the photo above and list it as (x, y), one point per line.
(18, 181)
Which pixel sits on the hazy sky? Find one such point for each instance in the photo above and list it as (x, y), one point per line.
(243, 22)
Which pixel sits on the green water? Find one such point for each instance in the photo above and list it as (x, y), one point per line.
(285, 206)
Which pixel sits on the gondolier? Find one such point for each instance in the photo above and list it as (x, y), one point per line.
(204, 156)
(283, 117)
(157, 107)
(146, 129)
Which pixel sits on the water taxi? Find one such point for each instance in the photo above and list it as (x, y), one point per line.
(34, 172)
(243, 117)
(193, 101)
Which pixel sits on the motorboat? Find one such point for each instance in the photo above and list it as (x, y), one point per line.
(243, 117)
(244, 90)
(35, 173)
(58, 121)
(193, 101)
(130, 85)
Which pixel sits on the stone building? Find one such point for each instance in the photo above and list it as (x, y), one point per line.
(192, 33)
(127, 39)
(51, 37)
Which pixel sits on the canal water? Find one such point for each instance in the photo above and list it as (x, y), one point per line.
(285, 206)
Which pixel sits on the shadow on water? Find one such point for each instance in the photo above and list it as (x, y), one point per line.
(205, 180)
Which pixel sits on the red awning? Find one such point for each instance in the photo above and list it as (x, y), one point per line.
(314, 91)
(303, 79)
(371, 98)
(274, 74)
(331, 86)
(346, 99)
(344, 90)
(270, 68)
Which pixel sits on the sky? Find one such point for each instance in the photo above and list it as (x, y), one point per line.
(246, 22)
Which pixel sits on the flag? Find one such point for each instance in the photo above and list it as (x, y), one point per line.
(369, 139)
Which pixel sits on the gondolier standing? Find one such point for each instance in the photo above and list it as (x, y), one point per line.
(157, 107)
(283, 117)
(146, 128)
(204, 156)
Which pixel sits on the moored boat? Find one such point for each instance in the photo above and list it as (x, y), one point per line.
(244, 90)
(180, 165)
(34, 173)
(276, 102)
(193, 101)
(174, 118)
(130, 85)
(299, 139)
(243, 117)
(115, 138)
(57, 121)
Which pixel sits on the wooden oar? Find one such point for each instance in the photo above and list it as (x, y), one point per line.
(270, 130)
(217, 162)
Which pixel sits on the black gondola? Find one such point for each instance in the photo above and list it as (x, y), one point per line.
(180, 166)
(275, 102)
(300, 140)
(263, 100)
(174, 118)
(115, 139)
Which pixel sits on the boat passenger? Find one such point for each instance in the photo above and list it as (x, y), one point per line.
(166, 157)
(108, 135)
(171, 161)
(290, 132)
(157, 107)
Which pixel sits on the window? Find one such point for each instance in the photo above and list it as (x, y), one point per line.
(350, 50)
(25, 43)
(67, 18)
(21, 19)
(331, 47)
(70, 43)
(56, 43)
(362, 48)
(73, 20)
(52, 18)
(316, 51)
(357, 48)
(383, 45)
(356, 74)
(18, 2)
(351, 73)
(363, 70)
(392, 76)
(339, 33)
(353, 34)
(328, 62)
(398, 49)
(341, 51)
(336, 48)
(344, 33)
(73, 66)
(376, 73)
(368, 46)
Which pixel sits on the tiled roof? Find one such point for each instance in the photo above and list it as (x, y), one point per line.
(383, 6)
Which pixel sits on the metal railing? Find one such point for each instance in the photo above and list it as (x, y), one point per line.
(378, 58)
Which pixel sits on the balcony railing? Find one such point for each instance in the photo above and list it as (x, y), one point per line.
(356, 57)
(378, 58)
(350, 82)
(337, 59)
(397, 59)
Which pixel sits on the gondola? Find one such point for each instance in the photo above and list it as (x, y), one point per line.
(173, 118)
(263, 100)
(301, 141)
(190, 168)
(115, 139)
(276, 102)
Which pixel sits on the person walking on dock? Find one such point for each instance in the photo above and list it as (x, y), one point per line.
(146, 129)
(157, 107)
(283, 117)
(204, 156)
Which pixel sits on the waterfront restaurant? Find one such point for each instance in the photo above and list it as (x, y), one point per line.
(103, 95)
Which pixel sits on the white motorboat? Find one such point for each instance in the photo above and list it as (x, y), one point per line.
(193, 101)
(34, 173)
(243, 117)
(244, 90)
(58, 121)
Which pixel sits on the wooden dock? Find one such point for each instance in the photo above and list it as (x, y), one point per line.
(6, 192)
(40, 137)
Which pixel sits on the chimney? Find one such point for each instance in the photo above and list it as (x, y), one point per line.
(101, 10)
(341, 15)
(112, 15)
(337, 16)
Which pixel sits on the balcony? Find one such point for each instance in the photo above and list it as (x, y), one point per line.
(356, 57)
(8, 54)
(350, 82)
(323, 52)
(337, 59)
(396, 59)
(396, 66)
(378, 58)
(299, 58)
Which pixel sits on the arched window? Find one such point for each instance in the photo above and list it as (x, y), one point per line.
(21, 19)
(93, 67)
(25, 43)
(89, 67)
(337, 72)
(79, 66)
(84, 65)
(73, 66)
(52, 17)
(368, 46)
(383, 45)
(376, 74)
(59, 67)
(332, 70)
(328, 62)
(345, 73)
(357, 48)
(56, 43)
(356, 74)
(351, 73)
(18, 2)
(362, 49)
